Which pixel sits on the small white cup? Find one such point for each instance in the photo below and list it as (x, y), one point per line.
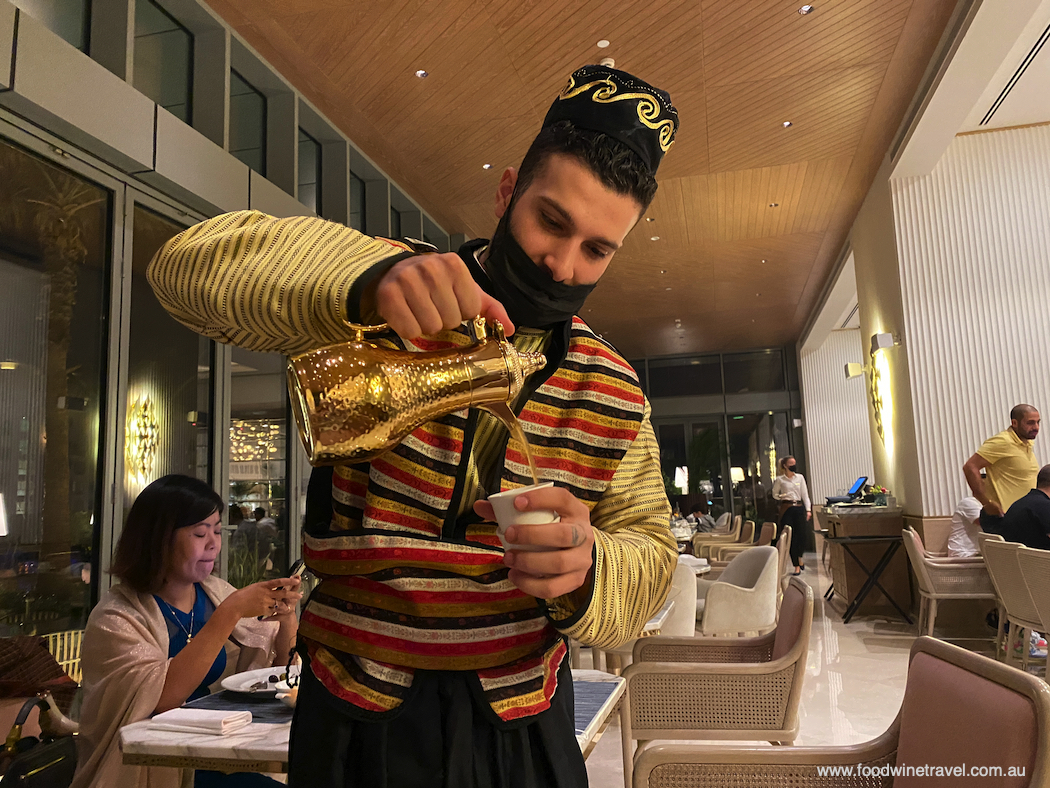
(507, 515)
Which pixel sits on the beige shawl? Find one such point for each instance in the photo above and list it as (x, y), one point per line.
(125, 661)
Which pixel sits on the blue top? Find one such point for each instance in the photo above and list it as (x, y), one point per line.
(179, 624)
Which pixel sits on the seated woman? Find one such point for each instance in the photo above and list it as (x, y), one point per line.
(170, 630)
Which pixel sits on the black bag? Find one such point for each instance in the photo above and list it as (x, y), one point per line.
(38, 763)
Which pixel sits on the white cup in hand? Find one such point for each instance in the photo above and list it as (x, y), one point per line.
(507, 515)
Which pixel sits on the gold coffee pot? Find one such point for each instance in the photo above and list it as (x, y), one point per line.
(355, 400)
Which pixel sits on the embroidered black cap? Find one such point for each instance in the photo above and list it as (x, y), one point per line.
(603, 99)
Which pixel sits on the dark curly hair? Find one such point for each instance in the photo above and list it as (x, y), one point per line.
(612, 162)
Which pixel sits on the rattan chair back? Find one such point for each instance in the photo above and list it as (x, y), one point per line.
(1005, 572)
(984, 537)
(1035, 570)
(956, 702)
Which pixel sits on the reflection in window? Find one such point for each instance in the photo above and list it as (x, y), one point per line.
(756, 442)
(169, 377)
(395, 223)
(259, 431)
(685, 377)
(54, 262)
(163, 59)
(69, 19)
(357, 203)
(309, 172)
(247, 123)
(762, 370)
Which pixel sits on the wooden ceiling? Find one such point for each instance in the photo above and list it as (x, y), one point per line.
(736, 272)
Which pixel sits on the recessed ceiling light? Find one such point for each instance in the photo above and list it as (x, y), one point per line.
(806, 9)
(667, 288)
(774, 205)
(486, 166)
(654, 238)
(663, 270)
(758, 294)
(786, 123)
(650, 219)
(422, 74)
(763, 261)
(603, 43)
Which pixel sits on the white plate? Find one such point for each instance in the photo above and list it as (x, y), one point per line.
(241, 682)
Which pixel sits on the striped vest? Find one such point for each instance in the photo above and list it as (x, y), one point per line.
(407, 585)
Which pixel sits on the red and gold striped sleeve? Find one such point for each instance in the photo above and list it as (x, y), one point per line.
(278, 285)
(634, 557)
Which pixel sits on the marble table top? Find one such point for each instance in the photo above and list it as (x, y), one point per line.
(263, 747)
(655, 624)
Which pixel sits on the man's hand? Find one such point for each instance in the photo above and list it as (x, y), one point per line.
(994, 509)
(423, 295)
(552, 573)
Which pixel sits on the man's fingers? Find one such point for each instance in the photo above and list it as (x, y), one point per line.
(491, 309)
(560, 535)
(548, 563)
(546, 587)
(557, 499)
(484, 510)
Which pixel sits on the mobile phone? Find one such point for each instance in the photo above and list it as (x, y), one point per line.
(297, 569)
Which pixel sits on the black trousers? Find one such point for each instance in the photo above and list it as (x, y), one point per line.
(795, 516)
(442, 738)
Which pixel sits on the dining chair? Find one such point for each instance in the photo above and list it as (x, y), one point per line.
(724, 552)
(743, 598)
(1019, 608)
(681, 621)
(719, 688)
(1035, 570)
(958, 707)
(744, 536)
(944, 578)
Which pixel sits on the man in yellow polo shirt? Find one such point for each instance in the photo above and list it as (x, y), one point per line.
(1011, 465)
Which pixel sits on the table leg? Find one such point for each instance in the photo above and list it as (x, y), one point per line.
(873, 581)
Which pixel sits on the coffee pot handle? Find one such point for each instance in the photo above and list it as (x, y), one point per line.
(478, 328)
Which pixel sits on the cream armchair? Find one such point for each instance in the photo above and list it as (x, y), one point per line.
(719, 688)
(743, 598)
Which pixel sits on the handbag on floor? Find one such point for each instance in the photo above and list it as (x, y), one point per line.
(37, 763)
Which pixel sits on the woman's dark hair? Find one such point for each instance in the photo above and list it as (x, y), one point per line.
(172, 502)
(612, 162)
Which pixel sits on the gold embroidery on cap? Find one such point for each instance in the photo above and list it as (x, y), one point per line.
(648, 107)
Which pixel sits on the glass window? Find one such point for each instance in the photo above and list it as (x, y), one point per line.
(761, 370)
(163, 59)
(309, 172)
(247, 123)
(69, 19)
(756, 443)
(395, 223)
(169, 377)
(707, 463)
(54, 263)
(684, 377)
(259, 442)
(357, 203)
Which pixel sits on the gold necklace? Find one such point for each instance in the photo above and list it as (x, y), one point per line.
(189, 632)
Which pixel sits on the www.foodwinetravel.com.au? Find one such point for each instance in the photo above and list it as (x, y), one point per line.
(921, 770)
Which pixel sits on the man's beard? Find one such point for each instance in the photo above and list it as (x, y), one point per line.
(527, 291)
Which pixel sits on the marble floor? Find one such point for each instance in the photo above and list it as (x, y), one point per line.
(853, 689)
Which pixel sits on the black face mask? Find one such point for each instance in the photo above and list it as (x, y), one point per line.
(527, 291)
(791, 468)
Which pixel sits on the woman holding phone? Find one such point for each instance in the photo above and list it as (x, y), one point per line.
(171, 630)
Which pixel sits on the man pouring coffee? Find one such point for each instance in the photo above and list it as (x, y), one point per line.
(431, 655)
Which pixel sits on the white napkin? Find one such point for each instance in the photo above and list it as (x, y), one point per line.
(213, 721)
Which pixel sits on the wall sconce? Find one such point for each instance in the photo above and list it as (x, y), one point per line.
(855, 370)
(736, 475)
(883, 341)
(141, 439)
